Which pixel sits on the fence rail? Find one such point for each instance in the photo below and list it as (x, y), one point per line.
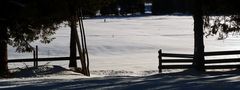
(177, 55)
(177, 60)
(40, 59)
(180, 59)
(222, 53)
(230, 60)
(176, 66)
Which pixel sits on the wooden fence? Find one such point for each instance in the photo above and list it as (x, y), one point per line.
(36, 60)
(184, 61)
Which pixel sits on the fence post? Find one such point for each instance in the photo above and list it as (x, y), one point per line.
(160, 60)
(36, 57)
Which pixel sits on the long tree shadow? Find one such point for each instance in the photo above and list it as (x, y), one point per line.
(179, 81)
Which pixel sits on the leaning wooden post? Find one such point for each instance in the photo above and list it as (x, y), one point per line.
(160, 60)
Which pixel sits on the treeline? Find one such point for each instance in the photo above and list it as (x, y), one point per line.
(160, 7)
(123, 7)
(214, 7)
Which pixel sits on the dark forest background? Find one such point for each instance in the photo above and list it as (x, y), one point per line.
(163, 7)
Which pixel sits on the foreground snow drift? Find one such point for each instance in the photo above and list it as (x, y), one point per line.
(186, 80)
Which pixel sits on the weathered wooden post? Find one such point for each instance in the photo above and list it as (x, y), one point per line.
(160, 60)
(35, 57)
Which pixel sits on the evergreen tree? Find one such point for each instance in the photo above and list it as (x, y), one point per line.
(225, 18)
(172, 6)
(110, 8)
(131, 6)
(20, 25)
(127, 7)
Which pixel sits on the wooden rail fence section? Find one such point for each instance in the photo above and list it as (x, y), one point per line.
(40, 59)
(184, 61)
(35, 58)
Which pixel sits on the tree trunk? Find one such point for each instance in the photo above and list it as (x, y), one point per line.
(73, 47)
(3, 50)
(198, 62)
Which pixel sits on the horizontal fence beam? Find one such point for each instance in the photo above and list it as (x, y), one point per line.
(177, 55)
(231, 60)
(177, 60)
(222, 66)
(210, 61)
(176, 66)
(40, 59)
(206, 67)
(222, 53)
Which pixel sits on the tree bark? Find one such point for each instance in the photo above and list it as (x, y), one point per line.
(199, 59)
(73, 43)
(3, 50)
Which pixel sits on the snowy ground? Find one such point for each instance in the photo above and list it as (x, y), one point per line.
(66, 80)
(123, 53)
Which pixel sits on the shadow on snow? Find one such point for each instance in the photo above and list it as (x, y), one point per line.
(186, 80)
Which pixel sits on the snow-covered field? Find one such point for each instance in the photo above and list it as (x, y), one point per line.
(124, 50)
(130, 43)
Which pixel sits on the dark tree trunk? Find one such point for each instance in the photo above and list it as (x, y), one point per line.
(198, 62)
(3, 50)
(73, 47)
(73, 25)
